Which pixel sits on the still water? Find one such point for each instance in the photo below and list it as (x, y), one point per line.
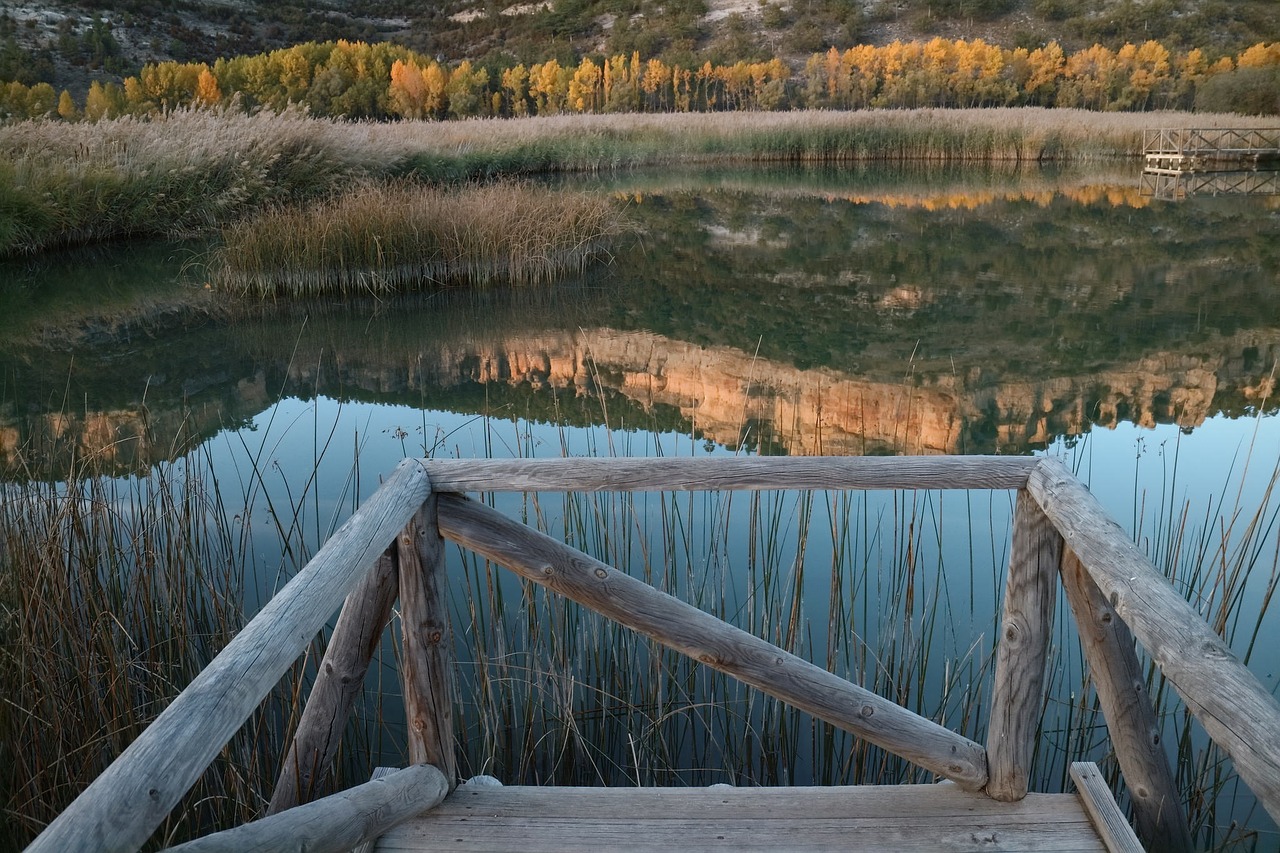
(781, 312)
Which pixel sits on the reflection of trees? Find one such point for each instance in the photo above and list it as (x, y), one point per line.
(1014, 287)
(1000, 326)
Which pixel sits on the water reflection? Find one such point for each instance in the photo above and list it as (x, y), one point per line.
(789, 311)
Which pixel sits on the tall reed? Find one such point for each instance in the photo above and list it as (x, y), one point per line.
(191, 170)
(115, 593)
(895, 590)
(379, 239)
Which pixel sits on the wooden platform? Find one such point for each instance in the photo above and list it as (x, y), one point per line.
(898, 817)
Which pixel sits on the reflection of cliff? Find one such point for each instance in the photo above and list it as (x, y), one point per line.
(727, 395)
(115, 441)
(724, 394)
(732, 397)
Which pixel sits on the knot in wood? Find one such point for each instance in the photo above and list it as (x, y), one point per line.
(1012, 632)
(602, 574)
(548, 571)
(436, 636)
(866, 711)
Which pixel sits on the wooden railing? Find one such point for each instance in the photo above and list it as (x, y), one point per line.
(1233, 140)
(1060, 532)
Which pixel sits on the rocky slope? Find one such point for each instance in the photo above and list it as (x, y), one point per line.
(68, 44)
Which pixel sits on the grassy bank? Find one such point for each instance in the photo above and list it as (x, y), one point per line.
(379, 239)
(190, 171)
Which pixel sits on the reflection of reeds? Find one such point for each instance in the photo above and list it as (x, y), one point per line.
(378, 239)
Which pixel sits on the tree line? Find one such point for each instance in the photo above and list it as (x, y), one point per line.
(384, 81)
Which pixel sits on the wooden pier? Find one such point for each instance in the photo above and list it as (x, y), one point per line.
(1183, 150)
(1062, 539)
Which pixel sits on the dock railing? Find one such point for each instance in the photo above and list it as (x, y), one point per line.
(1061, 537)
(1181, 150)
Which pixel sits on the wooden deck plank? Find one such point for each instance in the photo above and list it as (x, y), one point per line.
(896, 817)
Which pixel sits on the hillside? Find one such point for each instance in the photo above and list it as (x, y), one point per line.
(68, 44)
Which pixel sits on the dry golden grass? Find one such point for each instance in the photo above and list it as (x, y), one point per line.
(62, 183)
(378, 239)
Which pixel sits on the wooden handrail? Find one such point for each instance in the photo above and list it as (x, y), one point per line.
(339, 682)
(1105, 574)
(675, 474)
(124, 805)
(1121, 686)
(703, 637)
(1232, 705)
(336, 823)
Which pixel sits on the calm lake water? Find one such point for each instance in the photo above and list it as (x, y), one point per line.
(782, 312)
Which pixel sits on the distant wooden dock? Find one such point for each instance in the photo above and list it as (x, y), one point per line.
(1176, 151)
(1061, 540)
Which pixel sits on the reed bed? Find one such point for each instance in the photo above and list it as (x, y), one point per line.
(556, 695)
(380, 239)
(115, 594)
(194, 170)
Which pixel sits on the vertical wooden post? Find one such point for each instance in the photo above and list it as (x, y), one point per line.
(355, 638)
(1022, 650)
(427, 664)
(1131, 722)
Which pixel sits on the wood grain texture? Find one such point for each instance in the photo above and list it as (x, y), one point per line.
(426, 667)
(880, 818)
(1131, 722)
(1022, 653)
(677, 474)
(367, 846)
(1234, 708)
(125, 804)
(309, 761)
(705, 638)
(1101, 807)
(336, 823)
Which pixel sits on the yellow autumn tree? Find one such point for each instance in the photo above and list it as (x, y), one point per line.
(207, 90)
(1047, 66)
(407, 93)
(586, 87)
(1259, 56)
(515, 86)
(655, 86)
(549, 87)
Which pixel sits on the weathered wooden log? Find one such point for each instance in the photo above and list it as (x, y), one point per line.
(426, 668)
(1108, 820)
(705, 638)
(124, 805)
(1131, 722)
(1234, 708)
(1022, 653)
(336, 823)
(356, 636)
(678, 474)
